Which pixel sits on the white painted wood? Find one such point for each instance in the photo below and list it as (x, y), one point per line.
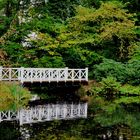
(9, 116)
(48, 112)
(43, 74)
(66, 74)
(10, 78)
(21, 74)
(86, 74)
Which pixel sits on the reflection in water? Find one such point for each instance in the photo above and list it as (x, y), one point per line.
(50, 129)
(47, 112)
(75, 129)
(39, 113)
(13, 96)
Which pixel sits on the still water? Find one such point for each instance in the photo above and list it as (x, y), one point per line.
(22, 123)
(60, 121)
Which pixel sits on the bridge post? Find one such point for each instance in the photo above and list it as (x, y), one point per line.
(66, 74)
(0, 73)
(49, 75)
(57, 77)
(21, 74)
(9, 117)
(86, 74)
(40, 75)
(10, 74)
(72, 75)
(80, 75)
(31, 75)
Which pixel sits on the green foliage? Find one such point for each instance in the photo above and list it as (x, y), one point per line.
(130, 90)
(136, 54)
(84, 38)
(125, 73)
(109, 88)
(112, 104)
(61, 9)
(75, 57)
(100, 35)
(132, 5)
(13, 96)
(110, 68)
(7, 131)
(12, 47)
(112, 89)
(109, 25)
(8, 10)
(134, 72)
(90, 3)
(5, 21)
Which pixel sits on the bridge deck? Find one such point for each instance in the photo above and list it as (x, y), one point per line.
(43, 74)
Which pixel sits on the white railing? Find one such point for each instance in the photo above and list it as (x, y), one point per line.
(43, 74)
(42, 113)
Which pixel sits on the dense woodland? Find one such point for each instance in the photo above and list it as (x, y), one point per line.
(103, 35)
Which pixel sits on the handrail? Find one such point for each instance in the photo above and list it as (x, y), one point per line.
(43, 74)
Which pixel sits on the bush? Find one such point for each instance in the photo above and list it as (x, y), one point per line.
(110, 68)
(124, 73)
(12, 96)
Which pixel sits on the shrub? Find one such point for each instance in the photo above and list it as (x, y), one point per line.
(12, 96)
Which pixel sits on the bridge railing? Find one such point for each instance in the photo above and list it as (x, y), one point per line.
(9, 74)
(43, 74)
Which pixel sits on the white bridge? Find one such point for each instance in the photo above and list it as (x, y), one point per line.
(49, 112)
(43, 74)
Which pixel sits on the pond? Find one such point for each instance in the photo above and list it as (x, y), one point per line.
(60, 121)
(60, 114)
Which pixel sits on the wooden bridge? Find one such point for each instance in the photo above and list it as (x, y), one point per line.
(43, 74)
(49, 112)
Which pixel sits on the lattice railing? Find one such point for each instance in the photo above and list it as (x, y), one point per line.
(9, 74)
(48, 112)
(43, 74)
(8, 115)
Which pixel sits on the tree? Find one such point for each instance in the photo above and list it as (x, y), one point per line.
(61, 9)
(107, 29)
